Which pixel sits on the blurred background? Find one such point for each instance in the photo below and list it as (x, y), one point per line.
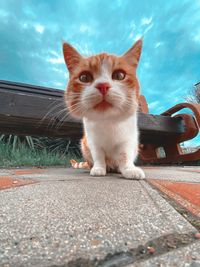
(31, 34)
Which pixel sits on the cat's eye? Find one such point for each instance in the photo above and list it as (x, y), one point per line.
(86, 77)
(118, 75)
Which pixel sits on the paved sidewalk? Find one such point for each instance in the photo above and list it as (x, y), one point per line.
(64, 217)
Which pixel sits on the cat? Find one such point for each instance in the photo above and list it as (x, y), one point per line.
(103, 90)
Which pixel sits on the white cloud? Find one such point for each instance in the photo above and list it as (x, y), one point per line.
(196, 36)
(84, 28)
(24, 25)
(146, 21)
(29, 11)
(59, 84)
(148, 28)
(158, 44)
(62, 71)
(132, 25)
(147, 65)
(3, 13)
(131, 35)
(132, 29)
(198, 3)
(59, 70)
(84, 49)
(138, 36)
(66, 75)
(58, 60)
(153, 104)
(39, 28)
(146, 24)
(54, 53)
(119, 3)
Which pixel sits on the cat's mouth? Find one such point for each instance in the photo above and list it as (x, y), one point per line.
(103, 105)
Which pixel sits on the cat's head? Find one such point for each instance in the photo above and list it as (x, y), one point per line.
(102, 86)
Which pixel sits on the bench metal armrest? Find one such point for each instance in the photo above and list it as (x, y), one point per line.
(172, 149)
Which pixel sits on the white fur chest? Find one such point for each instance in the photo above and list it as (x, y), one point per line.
(109, 135)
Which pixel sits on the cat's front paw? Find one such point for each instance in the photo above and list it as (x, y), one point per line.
(98, 171)
(133, 173)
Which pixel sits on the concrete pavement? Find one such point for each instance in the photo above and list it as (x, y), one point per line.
(64, 217)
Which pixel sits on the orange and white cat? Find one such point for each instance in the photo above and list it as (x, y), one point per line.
(104, 91)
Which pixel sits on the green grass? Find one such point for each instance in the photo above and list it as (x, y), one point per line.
(25, 156)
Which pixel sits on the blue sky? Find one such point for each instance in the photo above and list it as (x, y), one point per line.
(31, 34)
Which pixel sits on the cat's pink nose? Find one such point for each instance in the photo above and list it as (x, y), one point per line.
(103, 87)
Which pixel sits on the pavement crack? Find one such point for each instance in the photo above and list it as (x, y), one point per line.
(152, 248)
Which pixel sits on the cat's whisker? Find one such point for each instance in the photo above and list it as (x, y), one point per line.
(51, 114)
(66, 115)
(53, 121)
(57, 114)
(52, 110)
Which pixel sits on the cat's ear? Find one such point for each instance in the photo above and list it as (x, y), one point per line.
(132, 56)
(71, 56)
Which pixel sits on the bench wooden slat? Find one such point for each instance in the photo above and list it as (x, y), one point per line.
(27, 88)
(37, 111)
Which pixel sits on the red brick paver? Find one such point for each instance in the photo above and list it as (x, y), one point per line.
(186, 194)
(8, 182)
(27, 171)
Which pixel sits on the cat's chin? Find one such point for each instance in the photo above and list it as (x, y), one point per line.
(109, 114)
(103, 106)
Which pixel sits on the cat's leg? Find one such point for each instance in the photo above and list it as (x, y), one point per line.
(86, 155)
(127, 167)
(99, 164)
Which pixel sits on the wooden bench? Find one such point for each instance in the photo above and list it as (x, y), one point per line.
(39, 111)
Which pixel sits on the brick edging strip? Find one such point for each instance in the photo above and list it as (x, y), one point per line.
(194, 209)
